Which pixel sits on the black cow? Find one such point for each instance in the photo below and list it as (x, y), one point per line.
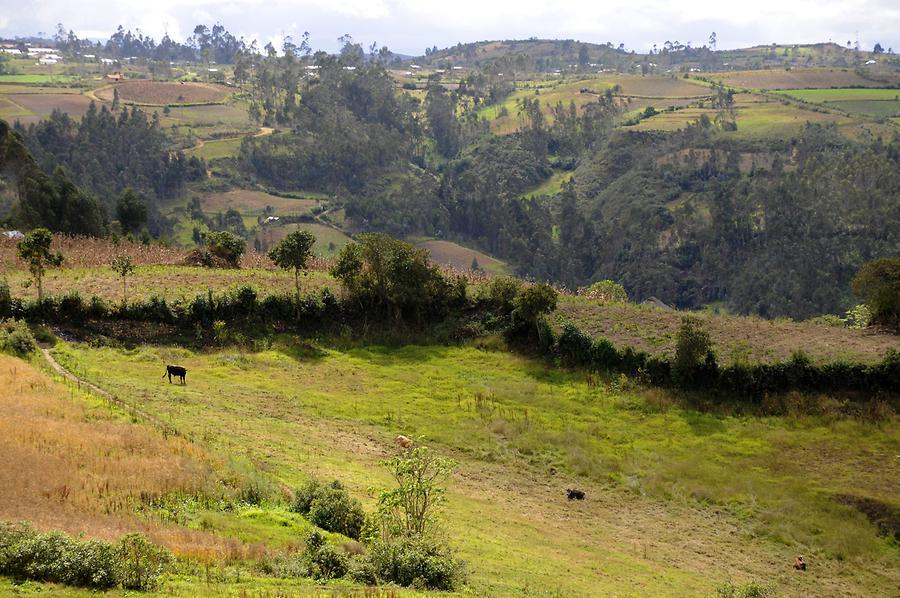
(574, 494)
(177, 371)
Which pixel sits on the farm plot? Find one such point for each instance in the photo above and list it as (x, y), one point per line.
(329, 241)
(159, 93)
(256, 202)
(454, 255)
(870, 102)
(812, 78)
(40, 106)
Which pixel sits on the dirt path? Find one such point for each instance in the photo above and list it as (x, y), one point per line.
(107, 396)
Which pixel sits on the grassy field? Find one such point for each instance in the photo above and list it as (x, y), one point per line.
(329, 241)
(37, 78)
(254, 203)
(551, 186)
(836, 95)
(678, 501)
(216, 149)
(735, 338)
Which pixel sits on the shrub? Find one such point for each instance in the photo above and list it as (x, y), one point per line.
(140, 562)
(878, 285)
(533, 302)
(692, 347)
(330, 507)
(420, 562)
(574, 346)
(502, 292)
(226, 246)
(323, 561)
(606, 291)
(56, 557)
(750, 590)
(5, 299)
(16, 338)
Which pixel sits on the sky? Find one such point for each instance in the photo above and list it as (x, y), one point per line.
(409, 26)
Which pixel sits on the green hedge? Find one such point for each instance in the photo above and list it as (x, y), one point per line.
(574, 348)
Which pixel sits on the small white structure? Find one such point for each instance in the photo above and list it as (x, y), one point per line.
(89, 56)
(41, 50)
(107, 61)
(45, 60)
(871, 61)
(272, 219)
(349, 68)
(13, 51)
(414, 66)
(13, 234)
(457, 68)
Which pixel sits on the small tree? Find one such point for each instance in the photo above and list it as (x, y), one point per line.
(294, 252)
(878, 285)
(533, 302)
(131, 209)
(409, 509)
(34, 249)
(123, 267)
(226, 246)
(692, 348)
(607, 291)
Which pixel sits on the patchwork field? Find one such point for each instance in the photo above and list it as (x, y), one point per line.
(158, 93)
(29, 108)
(666, 511)
(329, 241)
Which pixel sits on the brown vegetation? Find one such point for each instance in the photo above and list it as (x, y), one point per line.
(158, 93)
(68, 463)
(734, 338)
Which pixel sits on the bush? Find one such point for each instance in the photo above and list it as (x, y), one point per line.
(878, 285)
(330, 507)
(750, 590)
(693, 348)
(606, 291)
(5, 299)
(419, 562)
(134, 562)
(226, 246)
(323, 561)
(140, 562)
(533, 302)
(16, 338)
(502, 292)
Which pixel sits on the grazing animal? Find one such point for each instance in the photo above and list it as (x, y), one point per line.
(177, 371)
(574, 494)
(403, 442)
(799, 565)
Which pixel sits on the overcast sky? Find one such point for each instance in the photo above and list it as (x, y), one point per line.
(409, 26)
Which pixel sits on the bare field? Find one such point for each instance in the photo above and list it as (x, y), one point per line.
(734, 337)
(453, 255)
(793, 79)
(165, 92)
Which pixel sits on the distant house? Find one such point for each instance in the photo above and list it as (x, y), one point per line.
(414, 66)
(457, 68)
(871, 61)
(13, 234)
(45, 60)
(115, 76)
(13, 51)
(107, 61)
(271, 219)
(41, 50)
(89, 56)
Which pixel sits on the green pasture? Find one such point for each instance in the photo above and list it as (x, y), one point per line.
(678, 501)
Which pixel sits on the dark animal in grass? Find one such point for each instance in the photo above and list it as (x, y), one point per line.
(177, 371)
(799, 565)
(574, 494)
